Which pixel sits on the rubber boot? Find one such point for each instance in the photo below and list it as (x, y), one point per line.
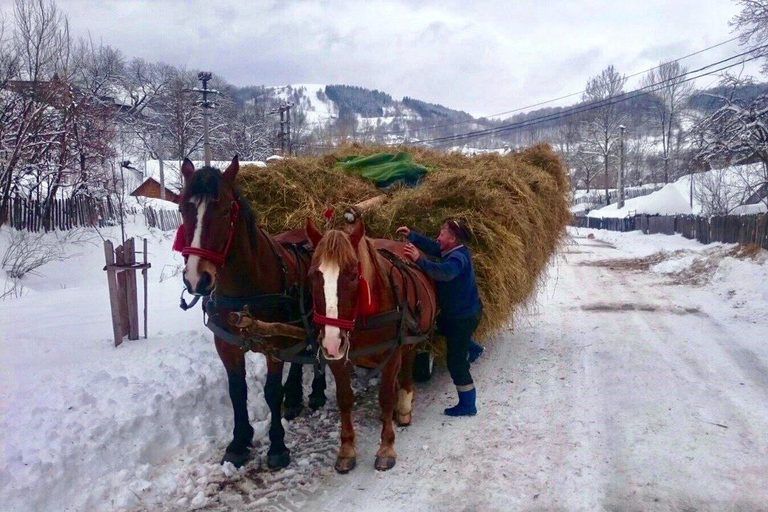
(466, 405)
(475, 351)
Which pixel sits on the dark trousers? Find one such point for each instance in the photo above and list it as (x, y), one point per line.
(458, 332)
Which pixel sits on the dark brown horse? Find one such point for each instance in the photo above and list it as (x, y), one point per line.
(370, 306)
(237, 263)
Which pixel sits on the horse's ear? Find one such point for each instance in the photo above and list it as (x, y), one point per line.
(358, 232)
(231, 171)
(187, 169)
(313, 233)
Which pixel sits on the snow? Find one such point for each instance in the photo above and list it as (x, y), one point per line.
(667, 201)
(628, 389)
(675, 198)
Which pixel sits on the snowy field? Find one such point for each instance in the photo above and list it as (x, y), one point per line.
(638, 380)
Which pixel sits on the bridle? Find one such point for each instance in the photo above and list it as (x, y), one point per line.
(217, 257)
(364, 294)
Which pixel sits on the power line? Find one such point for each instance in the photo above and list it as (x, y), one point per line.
(585, 107)
(447, 125)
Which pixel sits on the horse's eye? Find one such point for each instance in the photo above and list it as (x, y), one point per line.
(225, 212)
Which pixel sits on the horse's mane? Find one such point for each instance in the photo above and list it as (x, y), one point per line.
(206, 182)
(335, 247)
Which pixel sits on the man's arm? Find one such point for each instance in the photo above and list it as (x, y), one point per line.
(427, 245)
(445, 270)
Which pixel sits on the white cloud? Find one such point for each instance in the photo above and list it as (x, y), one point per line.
(483, 57)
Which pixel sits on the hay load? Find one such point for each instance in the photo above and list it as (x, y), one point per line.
(516, 207)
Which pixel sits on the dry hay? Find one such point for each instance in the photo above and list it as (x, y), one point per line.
(516, 207)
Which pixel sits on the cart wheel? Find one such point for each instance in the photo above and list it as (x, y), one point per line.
(423, 366)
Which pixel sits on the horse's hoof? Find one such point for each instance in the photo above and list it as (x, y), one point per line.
(237, 459)
(345, 464)
(293, 412)
(279, 460)
(404, 420)
(384, 463)
(316, 403)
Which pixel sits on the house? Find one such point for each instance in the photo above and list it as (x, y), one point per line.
(151, 188)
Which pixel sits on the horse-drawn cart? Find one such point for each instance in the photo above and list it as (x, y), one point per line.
(279, 294)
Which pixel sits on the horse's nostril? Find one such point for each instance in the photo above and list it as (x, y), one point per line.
(204, 283)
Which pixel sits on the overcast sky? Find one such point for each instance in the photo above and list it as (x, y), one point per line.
(483, 57)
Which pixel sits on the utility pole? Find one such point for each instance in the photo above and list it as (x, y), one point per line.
(621, 166)
(204, 77)
(285, 126)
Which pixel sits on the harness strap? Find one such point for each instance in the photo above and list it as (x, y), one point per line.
(228, 336)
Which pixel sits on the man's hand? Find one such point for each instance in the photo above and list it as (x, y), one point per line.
(403, 230)
(412, 252)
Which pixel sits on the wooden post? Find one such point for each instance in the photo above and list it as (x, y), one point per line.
(131, 291)
(114, 302)
(146, 295)
(122, 296)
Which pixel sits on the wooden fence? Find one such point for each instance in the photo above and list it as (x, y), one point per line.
(166, 220)
(26, 214)
(743, 229)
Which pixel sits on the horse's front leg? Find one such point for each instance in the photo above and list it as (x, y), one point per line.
(386, 456)
(294, 392)
(347, 457)
(317, 397)
(278, 455)
(239, 450)
(404, 410)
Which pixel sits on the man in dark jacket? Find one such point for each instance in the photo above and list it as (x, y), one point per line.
(458, 298)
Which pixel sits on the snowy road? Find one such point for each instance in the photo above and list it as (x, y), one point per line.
(638, 381)
(622, 391)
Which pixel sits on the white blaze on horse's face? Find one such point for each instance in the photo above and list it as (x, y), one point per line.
(192, 269)
(331, 341)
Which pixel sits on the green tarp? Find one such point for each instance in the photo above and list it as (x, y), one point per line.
(386, 169)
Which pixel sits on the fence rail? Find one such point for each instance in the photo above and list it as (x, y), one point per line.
(744, 229)
(25, 214)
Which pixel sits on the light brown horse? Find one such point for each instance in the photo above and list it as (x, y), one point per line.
(369, 306)
(237, 263)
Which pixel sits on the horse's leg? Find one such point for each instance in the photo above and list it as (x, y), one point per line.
(347, 457)
(294, 392)
(404, 410)
(278, 455)
(386, 456)
(317, 397)
(238, 451)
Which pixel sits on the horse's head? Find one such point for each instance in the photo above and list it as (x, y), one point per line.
(209, 209)
(335, 276)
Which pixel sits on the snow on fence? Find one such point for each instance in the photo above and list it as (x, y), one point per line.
(26, 214)
(743, 229)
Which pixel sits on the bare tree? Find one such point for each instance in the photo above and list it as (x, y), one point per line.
(36, 103)
(752, 23)
(601, 124)
(669, 93)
